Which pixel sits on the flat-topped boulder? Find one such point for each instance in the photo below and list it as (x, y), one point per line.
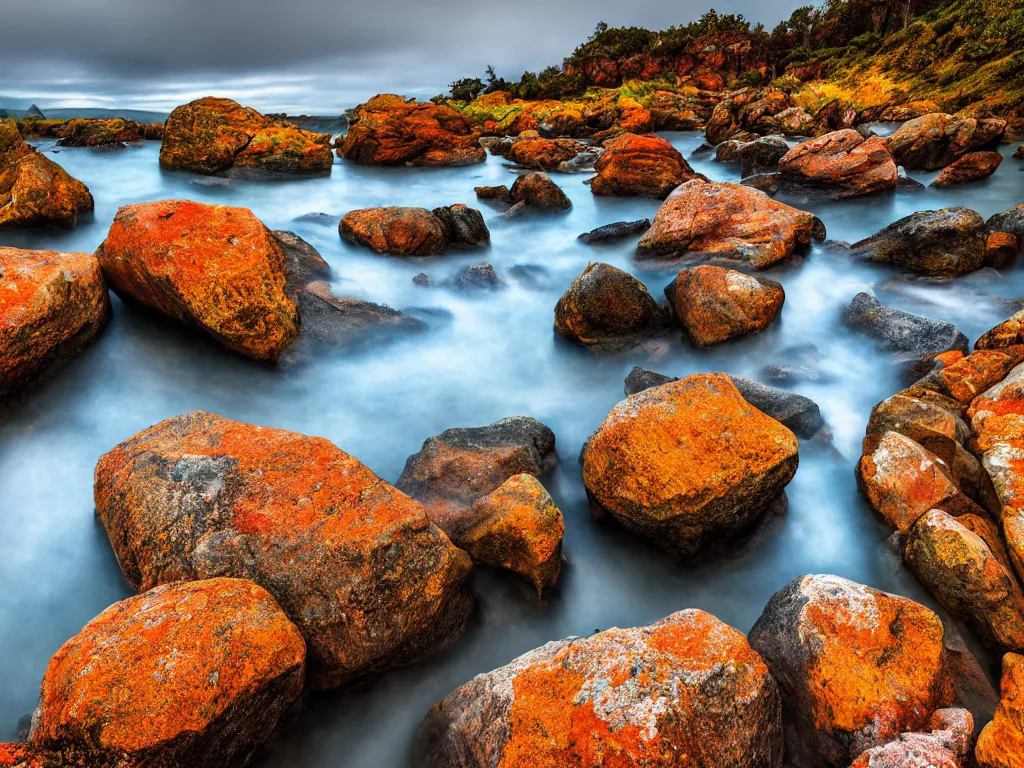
(209, 266)
(714, 304)
(947, 242)
(644, 166)
(933, 141)
(34, 190)
(706, 220)
(354, 563)
(840, 164)
(388, 130)
(856, 666)
(52, 306)
(686, 685)
(194, 673)
(687, 462)
(211, 135)
(609, 308)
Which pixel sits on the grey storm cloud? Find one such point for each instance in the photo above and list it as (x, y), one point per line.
(299, 55)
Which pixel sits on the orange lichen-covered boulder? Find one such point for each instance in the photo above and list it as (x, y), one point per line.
(607, 307)
(395, 230)
(715, 304)
(52, 306)
(217, 268)
(545, 154)
(356, 564)
(197, 673)
(519, 528)
(973, 166)
(902, 481)
(456, 468)
(1008, 333)
(1001, 744)
(685, 691)
(34, 190)
(100, 133)
(970, 581)
(210, 135)
(388, 130)
(840, 164)
(702, 219)
(687, 462)
(931, 142)
(645, 166)
(537, 190)
(944, 743)
(857, 667)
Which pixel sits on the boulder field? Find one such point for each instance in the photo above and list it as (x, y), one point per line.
(34, 190)
(212, 135)
(369, 581)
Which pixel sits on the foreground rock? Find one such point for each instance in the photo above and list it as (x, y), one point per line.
(702, 220)
(945, 243)
(973, 166)
(1001, 744)
(644, 166)
(715, 304)
(278, 508)
(687, 462)
(857, 667)
(34, 190)
(687, 685)
(945, 743)
(933, 141)
(460, 466)
(52, 306)
(387, 130)
(517, 527)
(609, 308)
(915, 340)
(198, 673)
(211, 135)
(213, 267)
(839, 165)
(616, 231)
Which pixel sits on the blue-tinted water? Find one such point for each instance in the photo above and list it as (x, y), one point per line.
(486, 355)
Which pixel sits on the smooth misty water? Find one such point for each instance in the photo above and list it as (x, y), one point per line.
(486, 355)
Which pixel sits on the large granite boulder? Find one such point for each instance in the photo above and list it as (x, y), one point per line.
(933, 141)
(841, 164)
(944, 243)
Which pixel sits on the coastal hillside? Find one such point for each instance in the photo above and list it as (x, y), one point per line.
(962, 57)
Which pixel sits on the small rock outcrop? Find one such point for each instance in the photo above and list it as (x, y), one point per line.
(609, 308)
(617, 231)
(933, 141)
(944, 243)
(686, 685)
(973, 166)
(687, 462)
(944, 743)
(52, 306)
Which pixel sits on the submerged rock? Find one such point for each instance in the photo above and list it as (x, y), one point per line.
(646, 166)
(52, 306)
(702, 219)
(356, 564)
(1001, 744)
(616, 231)
(211, 135)
(455, 469)
(686, 685)
(34, 190)
(945, 243)
(931, 142)
(209, 266)
(714, 304)
(607, 307)
(196, 673)
(388, 130)
(517, 527)
(639, 379)
(840, 165)
(687, 462)
(478, 276)
(857, 667)
(973, 166)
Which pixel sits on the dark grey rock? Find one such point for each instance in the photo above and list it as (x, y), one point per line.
(304, 262)
(478, 276)
(423, 279)
(323, 219)
(463, 226)
(943, 243)
(786, 372)
(796, 412)
(616, 231)
(1010, 220)
(758, 156)
(639, 379)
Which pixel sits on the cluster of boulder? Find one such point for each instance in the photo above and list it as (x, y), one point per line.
(534, 191)
(92, 132)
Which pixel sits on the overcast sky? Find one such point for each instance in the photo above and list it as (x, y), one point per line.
(313, 56)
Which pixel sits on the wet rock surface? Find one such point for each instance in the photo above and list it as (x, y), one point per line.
(933, 141)
(839, 165)
(616, 231)
(646, 166)
(945, 243)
